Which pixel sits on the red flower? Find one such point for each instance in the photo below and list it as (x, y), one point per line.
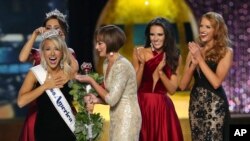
(86, 67)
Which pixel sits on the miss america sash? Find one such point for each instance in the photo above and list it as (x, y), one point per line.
(57, 98)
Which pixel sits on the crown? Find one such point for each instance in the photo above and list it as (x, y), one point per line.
(56, 13)
(50, 33)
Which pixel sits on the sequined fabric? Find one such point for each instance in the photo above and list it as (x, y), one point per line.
(208, 110)
(125, 115)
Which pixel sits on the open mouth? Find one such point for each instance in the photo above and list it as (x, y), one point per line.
(203, 35)
(53, 60)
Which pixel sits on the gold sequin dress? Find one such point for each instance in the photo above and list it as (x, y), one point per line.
(125, 114)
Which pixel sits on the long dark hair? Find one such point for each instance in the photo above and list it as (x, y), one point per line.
(63, 23)
(169, 45)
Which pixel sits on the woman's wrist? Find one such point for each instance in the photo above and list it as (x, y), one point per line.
(44, 87)
(200, 60)
(34, 35)
(192, 65)
(141, 65)
(160, 72)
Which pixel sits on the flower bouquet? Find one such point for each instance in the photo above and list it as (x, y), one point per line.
(88, 126)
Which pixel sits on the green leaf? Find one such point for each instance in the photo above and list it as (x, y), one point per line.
(78, 91)
(77, 86)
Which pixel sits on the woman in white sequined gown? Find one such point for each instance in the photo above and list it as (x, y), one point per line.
(120, 86)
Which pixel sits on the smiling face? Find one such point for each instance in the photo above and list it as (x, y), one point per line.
(52, 54)
(101, 48)
(157, 37)
(206, 31)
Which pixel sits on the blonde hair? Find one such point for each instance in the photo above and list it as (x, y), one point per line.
(65, 61)
(221, 38)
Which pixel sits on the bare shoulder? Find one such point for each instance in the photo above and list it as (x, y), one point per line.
(145, 50)
(136, 48)
(71, 49)
(229, 54)
(31, 74)
(139, 47)
(31, 77)
(148, 49)
(229, 50)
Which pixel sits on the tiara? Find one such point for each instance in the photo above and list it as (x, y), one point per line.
(56, 13)
(50, 33)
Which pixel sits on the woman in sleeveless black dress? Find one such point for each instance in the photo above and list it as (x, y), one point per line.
(209, 60)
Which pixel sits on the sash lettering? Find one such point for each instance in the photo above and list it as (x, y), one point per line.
(57, 98)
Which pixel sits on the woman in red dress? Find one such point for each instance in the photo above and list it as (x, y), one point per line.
(157, 70)
(54, 20)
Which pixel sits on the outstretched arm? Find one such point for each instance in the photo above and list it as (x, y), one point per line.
(25, 52)
(87, 79)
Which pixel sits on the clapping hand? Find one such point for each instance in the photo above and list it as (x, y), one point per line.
(140, 55)
(159, 68)
(195, 51)
(162, 63)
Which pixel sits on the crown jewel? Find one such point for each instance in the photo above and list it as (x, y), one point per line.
(50, 33)
(56, 13)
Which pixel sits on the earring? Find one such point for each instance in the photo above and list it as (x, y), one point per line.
(152, 47)
(111, 53)
(61, 64)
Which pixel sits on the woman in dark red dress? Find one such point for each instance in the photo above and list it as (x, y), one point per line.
(54, 20)
(156, 67)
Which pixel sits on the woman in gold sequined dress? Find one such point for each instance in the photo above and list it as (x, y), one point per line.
(120, 86)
